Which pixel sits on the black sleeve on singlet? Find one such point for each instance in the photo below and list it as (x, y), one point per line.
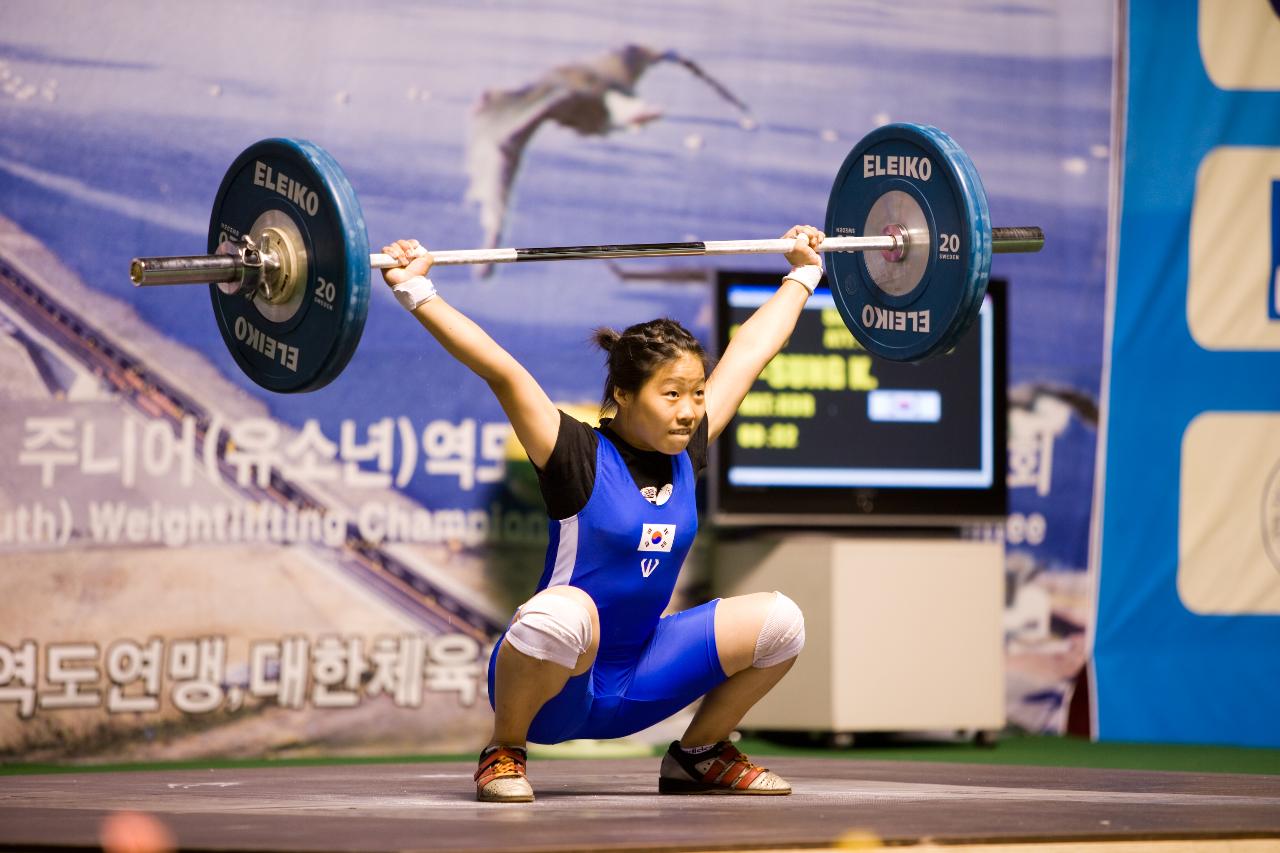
(570, 473)
(698, 448)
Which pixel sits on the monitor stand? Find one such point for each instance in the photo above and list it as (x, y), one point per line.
(903, 634)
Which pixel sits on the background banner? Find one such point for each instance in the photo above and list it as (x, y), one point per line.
(191, 565)
(1189, 598)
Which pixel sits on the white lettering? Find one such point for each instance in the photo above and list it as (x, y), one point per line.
(106, 521)
(255, 339)
(295, 191)
(371, 522)
(875, 317)
(119, 522)
(23, 525)
(135, 525)
(875, 165)
(114, 522)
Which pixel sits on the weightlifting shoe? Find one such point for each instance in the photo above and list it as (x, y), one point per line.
(500, 778)
(720, 770)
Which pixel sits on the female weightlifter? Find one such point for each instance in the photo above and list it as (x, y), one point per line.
(590, 655)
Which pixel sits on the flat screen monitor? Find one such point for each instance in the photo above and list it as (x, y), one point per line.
(830, 435)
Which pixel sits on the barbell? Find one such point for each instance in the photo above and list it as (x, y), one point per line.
(289, 264)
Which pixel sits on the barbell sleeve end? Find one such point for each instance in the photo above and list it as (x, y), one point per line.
(185, 269)
(1021, 238)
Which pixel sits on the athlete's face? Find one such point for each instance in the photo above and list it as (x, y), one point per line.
(663, 414)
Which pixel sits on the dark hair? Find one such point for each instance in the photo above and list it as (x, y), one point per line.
(637, 353)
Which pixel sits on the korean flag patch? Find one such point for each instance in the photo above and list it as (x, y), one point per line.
(657, 537)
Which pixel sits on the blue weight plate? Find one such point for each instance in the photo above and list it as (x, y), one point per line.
(301, 182)
(922, 163)
(976, 284)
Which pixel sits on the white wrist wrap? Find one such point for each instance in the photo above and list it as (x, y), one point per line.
(414, 292)
(808, 276)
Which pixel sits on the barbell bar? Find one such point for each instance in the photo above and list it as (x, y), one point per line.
(907, 226)
(229, 266)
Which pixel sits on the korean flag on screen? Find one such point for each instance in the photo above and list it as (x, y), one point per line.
(657, 537)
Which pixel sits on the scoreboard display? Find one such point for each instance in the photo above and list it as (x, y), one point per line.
(830, 434)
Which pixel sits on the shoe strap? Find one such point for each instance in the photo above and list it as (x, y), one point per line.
(732, 769)
(503, 761)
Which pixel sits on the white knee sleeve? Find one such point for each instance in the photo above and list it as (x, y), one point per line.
(782, 636)
(552, 627)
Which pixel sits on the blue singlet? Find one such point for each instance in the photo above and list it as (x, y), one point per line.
(626, 553)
